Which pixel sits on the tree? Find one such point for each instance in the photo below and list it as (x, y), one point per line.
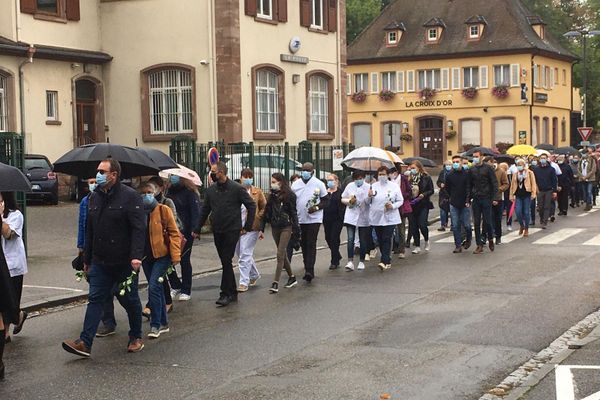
(359, 14)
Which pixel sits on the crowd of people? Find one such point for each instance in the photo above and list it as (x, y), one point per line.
(385, 212)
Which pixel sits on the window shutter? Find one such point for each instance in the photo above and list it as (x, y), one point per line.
(445, 79)
(28, 6)
(282, 14)
(515, 76)
(251, 7)
(410, 81)
(348, 84)
(536, 76)
(374, 82)
(331, 15)
(305, 13)
(483, 77)
(73, 13)
(400, 81)
(551, 78)
(455, 78)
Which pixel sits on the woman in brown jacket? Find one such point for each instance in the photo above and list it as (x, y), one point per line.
(162, 250)
(523, 189)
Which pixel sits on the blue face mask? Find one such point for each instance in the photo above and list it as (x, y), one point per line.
(174, 179)
(359, 182)
(148, 199)
(543, 161)
(330, 184)
(534, 163)
(520, 167)
(247, 181)
(448, 167)
(383, 179)
(413, 171)
(92, 186)
(475, 160)
(100, 179)
(456, 166)
(466, 167)
(306, 175)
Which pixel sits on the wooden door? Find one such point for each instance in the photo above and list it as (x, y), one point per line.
(431, 136)
(86, 123)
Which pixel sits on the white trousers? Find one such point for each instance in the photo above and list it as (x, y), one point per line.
(245, 253)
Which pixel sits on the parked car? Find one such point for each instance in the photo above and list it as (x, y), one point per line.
(44, 182)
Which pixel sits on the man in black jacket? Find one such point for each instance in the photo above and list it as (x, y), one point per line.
(223, 202)
(114, 247)
(565, 181)
(547, 182)
(458, 186)
(484, 187)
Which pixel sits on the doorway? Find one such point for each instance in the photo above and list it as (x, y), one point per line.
(86, 109)
(431, 139)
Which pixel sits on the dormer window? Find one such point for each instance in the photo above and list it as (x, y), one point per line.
(393, 33)
(475, 26)
(432, 35)
(433, 30)
(474, 32)
(392, 37)
(538, 25)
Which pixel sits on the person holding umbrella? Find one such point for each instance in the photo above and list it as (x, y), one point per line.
(356, 218)
(523, 188)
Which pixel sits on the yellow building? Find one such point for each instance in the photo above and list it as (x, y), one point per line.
(436, 79)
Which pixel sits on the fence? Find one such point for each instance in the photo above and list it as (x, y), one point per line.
(11, 153)
(263, 160)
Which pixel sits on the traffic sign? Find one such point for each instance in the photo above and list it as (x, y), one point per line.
(585, 132)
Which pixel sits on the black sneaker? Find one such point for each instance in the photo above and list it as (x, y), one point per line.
(332, 267)
(291, 282)
(308, 277)
(552, 219)
(274, 287)
(106, 331)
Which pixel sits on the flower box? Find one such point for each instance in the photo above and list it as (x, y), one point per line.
(469, 93)
(386, 95)
(359, 97)
(406, 137)
(450, 134)
(500, 91)
(427, 93)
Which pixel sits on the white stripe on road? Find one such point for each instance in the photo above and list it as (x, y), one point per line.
(514, 235)
(434, 233)
(449, 239)
(586, 213)
(565, 390)
(559, 236)
(53, 288)
(595, 241)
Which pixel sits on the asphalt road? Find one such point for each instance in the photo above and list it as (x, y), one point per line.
(436, 326)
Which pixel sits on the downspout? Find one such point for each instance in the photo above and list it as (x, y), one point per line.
(531, 101)
(340, 93)
(569, 121)
(17, 21)
(28, 60)
(212, 68)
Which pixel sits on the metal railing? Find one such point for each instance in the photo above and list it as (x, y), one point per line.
(11, 153)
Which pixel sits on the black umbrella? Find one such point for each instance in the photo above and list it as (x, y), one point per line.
(505, 158)
(566, 150)
(546, 146)
(13, 180)
(425, 161)
(83, 161)
(486, 151)
(161, 159)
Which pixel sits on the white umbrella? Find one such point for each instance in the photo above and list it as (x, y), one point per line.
(369, 159)
(539, 152)
(182, 172)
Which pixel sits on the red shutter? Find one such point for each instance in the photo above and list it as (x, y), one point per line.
(251, 7)
(28, 6)
(73, 13)
(282, 10)
(305, 13)
(331, 15)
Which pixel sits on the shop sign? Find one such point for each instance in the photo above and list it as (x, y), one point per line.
(541, 98)
(294, 59)
(428, 103)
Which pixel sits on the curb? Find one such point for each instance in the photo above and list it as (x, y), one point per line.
(58, 301)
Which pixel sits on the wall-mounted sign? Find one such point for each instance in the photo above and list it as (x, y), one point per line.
(294, 59)
(337, 157)
(295, 44)
(428, 103)
(522, 137)
(541, 97)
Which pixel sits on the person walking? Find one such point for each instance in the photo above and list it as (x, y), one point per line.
(587, 172)
(245, 248)
(384, 213)
(162, 249)
(9, 310)
(406, 189)
(14, 253)
(114, 247)
(186, 198)
(281, 214)
(311, 195)
(224, 201)
(523, 188)
(484, 187)
(565, 181)
(498, 201)
(333, 220)
(458, 186)
(356, 219)
(444, 203)
(422, 189)
(547, 182)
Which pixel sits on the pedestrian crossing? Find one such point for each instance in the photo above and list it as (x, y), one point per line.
(566, 236)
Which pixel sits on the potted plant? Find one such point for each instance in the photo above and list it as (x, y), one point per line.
(427, 93)
(386, 95)
(503, 146)
(500, 91)
(406, 137)
(359, 97)
(450, 134)
(469, 93)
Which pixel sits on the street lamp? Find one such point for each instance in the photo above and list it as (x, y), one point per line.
(583, 34)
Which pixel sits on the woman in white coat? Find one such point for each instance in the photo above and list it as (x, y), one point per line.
(356, 218)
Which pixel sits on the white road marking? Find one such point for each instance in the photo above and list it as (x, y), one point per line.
(595, 241)
(449, 239)
(559, 236)
(434, 233)
(53, 288)
(565, 385)
(586, 213)
(514, 235)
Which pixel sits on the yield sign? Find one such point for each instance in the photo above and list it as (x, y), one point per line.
(585, 133)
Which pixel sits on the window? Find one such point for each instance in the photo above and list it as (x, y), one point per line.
(267, 104)
(504, 130)
(543, 76)
(563, 130)
(265, 9)
(471, 77)
(319, 104)
(548, 78)
(391, 132)
(47, 6)
(317, 14)
(51, 105)
(545, 130)
(432, 35)
(361, 134)
(474, 32)
(535, 127)
(556, 77)
(536, 76)
(392, 37)
(564, 77)
(430, 79)
(361, 83)
(502, 75)
(388, 81)
(170, 96)
(52, 10)
(3, 104)
(470, 132)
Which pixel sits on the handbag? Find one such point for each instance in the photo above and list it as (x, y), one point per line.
(77, 262)
(166, 236)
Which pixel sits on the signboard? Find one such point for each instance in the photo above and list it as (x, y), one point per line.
(584, 143)
(522, 137)
(337, 156)
(428, 103)
(294, 59)
(585, 132)
(541, 98)
(295, 44)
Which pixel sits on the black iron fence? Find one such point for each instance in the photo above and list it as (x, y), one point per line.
(263, 160)
(12, 153)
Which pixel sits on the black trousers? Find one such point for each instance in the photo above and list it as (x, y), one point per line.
(17, 290)
(226, 242)
(563, 201)
(310, 233)
(333, 231)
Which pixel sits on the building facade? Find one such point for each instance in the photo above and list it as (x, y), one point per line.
(143, 72)
(435, 80)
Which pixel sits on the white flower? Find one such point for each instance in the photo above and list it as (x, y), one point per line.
(78, 279)
(317, 191)
(122, 292)
(161, 279)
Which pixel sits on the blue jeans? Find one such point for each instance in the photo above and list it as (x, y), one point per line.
(154, 269)
(523, 211)
(443, 217)
(104, 282)
(482, 210)
(363, 239)
(384, 236)
(588, 192)
(461, 219)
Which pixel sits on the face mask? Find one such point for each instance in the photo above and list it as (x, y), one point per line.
(174, 179)
(413, 171)
(407, 173)
(306, 175)
(330, 184)
(534, 163)
(543, 161)
(213, 176)
(92, 186)
(383, 179)
(456, 166)
(561, 162)
(465, 167)
(448, 167)
(520, 167)
(148, 199)
(359, 182)
(475, 160)
(275, 187)
(100, 179)
(575, 161)
(247, 181)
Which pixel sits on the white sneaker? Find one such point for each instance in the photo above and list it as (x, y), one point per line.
(401, 256)
(175, 293)
(509, 228)
(388, 266)
(361, 266)
(350, 266)
(367, 257)
(381, 266)
(416, 250)
(373, 253)
(427, 246)
(184, 297)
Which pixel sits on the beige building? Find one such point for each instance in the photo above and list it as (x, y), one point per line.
(142, 72)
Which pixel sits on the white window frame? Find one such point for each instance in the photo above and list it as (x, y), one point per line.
(261, 9)
(504, 75)
(51, 105)
(473, 74)
(456, 78)
(361, 82)
(181, 88)
(3, 104)
(400, 81)
(476, 35)
(430, 37)
(483, 76)
(321, 96)
(374, 82)
(536, 76)
(389, 37)
(389, 81)
(410, 81)
(317, 6)
(433, 75)
(272, 102)
(515, 75)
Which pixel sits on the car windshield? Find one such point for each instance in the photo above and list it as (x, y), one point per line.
(31, 163)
